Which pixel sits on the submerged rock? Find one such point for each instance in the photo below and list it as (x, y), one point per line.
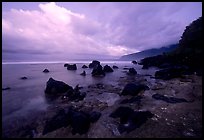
(107, 69)
(98, 71)
(94, 63)
(130, 119)
(71, 67)
(133, 89)
(168, 99)
(55, 87)
(84, 66)
(46, 71)
(6, 88)
(115, 67)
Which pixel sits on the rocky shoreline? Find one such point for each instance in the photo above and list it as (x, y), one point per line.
(168, 119)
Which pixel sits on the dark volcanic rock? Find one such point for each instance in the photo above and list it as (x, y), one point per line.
(24, 78)
(54, 87)
(94, 64)
(46, 71)
(132, 71)
(84, 66)
(115, 67)
(130, 119)
(94, 116)
(133, 89)
(134, 62)
(71, 67)
(65, 65)
(83, 73)
(7, 88)
(172, 72)
(136, 99)
(107, 69)
(168, 99)
(97, 71)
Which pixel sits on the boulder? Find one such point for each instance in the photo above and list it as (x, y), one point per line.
(46, 71)
(168, 99)
(76, 95)
(24, 78)
(134, 62)
(84, 66)
(172, 72)
(94, 116)
(71, 67)
(94, 63)
(98, 71)
(133, 89)
(107, 69)
(65, 65)
(55, 87)
(115, 67)
(83, 73)
(132, 71)
(130, 119)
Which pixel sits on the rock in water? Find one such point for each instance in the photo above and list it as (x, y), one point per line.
(115, 67)
(65, 65)
(94, 116)
(24, 78)
(132, 71)
(84, 66)
(168, 99)
(107, 69)
(83, 73)
(54, 87)
(71, 67)
(46, 71)
(134, 62)
(133, 89)
(98, 71)
(94, 63)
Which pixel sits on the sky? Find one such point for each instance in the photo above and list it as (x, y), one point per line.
(43, 31)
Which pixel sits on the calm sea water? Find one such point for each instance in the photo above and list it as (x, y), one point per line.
(27, 96)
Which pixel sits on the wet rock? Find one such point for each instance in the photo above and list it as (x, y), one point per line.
(94, 63)
(84, 66)
(98, 71)
(71, 67)
(134, 62)
(61, 119)
(168, 99)
(169, 73)
(130, 119)
(126, 68)
(136, 99)
(83, 73)
(107, 69)
(6, 88)
(109, 98)
(133, 89)
(55, 87)
(132, 71)
(46, 71)
(65, 65)
(94, 116)
(24, 78)
(76, 95)
(115, 67)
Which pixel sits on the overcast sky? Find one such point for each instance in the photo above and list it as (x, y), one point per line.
(34, 31)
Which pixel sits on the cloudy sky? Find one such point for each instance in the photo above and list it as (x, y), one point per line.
(36, 31)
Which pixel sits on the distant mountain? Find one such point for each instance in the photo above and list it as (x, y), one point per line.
(149, 52)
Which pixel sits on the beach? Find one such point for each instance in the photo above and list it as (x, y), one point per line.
(25, 108)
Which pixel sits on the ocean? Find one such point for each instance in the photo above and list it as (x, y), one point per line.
(27, 96)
